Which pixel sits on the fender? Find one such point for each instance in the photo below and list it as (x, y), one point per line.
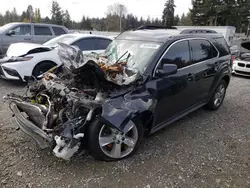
(119, 111)
(224, 70)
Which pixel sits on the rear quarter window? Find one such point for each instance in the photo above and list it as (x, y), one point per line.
(222, 46)
(58, 31)
(202, 50)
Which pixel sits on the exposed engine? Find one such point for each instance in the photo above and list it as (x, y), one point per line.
(57, 106)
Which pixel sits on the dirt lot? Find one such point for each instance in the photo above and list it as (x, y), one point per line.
(205, 149)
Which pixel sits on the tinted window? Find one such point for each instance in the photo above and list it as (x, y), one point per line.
(42, 30)
(22, 30)
(86, 44)
(102, 44)
(58, 31)
(202, 50)
(178, 54)
(222, 46)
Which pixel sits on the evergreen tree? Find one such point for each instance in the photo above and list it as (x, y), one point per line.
(56, 12)
(14, 15)
(176, 20)
(30, 13)
(67, 20)
(168, 13)
(23, 16)
(37, 15)
(1, 19)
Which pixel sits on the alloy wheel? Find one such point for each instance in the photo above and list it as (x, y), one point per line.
(116, 144)
(219, 95)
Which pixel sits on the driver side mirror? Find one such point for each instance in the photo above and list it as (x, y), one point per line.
(10, 32)
(166, 70)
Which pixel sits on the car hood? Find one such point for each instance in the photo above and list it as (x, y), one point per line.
(21, 49)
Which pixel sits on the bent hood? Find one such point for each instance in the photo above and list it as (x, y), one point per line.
(21, 49)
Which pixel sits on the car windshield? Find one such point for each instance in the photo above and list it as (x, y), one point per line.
(5, 27)
(67, 39)
(135, 53)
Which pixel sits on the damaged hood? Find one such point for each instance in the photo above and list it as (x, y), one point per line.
(21, 49)
(116, 72)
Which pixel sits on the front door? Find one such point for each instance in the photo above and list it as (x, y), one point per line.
(174, 93)
(22, 33)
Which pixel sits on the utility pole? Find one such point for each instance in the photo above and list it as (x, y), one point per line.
(248, 27)
(121, 9)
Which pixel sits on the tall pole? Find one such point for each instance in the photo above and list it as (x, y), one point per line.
(248, 27)
(120, 7)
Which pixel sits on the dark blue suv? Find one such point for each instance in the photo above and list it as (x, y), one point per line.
(146, 80)
(181, 73)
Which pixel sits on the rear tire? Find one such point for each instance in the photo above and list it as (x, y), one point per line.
(103, 141)
(218, 97)
(42, 67)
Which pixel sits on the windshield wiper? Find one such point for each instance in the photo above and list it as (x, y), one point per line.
(121, 57)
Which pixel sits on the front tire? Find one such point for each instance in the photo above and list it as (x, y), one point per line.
(107, 143)
(42, 68)
(218, 97)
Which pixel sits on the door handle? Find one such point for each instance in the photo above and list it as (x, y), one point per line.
(27, 38)
(190, 77)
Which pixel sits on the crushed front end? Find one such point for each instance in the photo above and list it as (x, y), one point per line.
(59, 105)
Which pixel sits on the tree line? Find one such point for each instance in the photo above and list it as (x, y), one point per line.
(117, 18)
(212, 13)
(220, 13)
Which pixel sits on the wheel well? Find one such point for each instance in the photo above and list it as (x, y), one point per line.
(146, 119)
(48, 61)
(226, 79)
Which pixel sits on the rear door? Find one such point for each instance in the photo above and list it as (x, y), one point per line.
(205, 62)
(42, 34)
(22, 34)
(175, 93)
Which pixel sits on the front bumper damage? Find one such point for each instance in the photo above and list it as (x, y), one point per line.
(29, 128)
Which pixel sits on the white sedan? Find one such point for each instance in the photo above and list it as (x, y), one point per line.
(28, 59)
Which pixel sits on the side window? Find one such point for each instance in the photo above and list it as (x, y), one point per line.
(178, 54)
(22, 30)
(86, 44)
(222, 46)
(42, 30)
(102, 44)
(202, 50)
(58, 31)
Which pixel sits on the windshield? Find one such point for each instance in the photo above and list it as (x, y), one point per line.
(135, 53)
(5, 27)
(61, 39)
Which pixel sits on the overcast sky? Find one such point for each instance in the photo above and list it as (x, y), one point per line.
(96, 8)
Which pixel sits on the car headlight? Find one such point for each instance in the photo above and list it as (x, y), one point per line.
(15, 59)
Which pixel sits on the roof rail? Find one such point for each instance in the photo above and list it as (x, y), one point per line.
(152, 27)
(191, 31)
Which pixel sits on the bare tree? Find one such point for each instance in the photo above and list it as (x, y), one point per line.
(118, 10)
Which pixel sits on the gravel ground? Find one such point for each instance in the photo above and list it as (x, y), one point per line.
(204, 149)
